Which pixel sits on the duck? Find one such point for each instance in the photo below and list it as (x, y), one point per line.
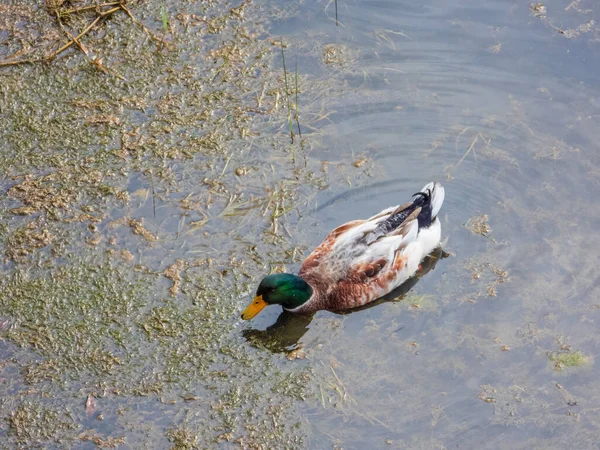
(359, 261)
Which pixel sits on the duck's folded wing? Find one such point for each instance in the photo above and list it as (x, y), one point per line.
(384, 265)
(367, 241)
(381, 255)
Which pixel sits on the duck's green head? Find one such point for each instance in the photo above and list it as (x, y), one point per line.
(285, 289)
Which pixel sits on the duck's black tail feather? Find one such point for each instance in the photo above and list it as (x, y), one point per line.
(429, 199)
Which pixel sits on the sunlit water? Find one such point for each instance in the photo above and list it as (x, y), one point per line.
(505, 110)
(501, 104)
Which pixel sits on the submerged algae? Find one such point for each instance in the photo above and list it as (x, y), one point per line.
(119, 165)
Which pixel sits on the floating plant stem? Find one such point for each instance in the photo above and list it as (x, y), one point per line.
(336, 16)
(287, 95)
(296, 88)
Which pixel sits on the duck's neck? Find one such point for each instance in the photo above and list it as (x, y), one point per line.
(299, 293)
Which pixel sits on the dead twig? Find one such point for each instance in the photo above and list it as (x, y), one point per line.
(73, 38)
(97, 62)
(86, 8)
(19, 61)
(101, 16)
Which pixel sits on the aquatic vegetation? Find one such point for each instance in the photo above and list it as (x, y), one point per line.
(570, 359)
(123, 232)
(31, 422)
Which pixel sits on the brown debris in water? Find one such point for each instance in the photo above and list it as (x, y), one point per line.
(173, 273)
(487, 394)
(490, 276)
(90, 405)
(495, 49)
(101, 442)
(126, 255)
(85, 217)
(31, 236)
(24, 211)
(36, 197)
(538, 9)
(138, 228)
(360, 162)
(333, 54)
(479, 225)
(103, 119)
(241, 171)
(297, 353)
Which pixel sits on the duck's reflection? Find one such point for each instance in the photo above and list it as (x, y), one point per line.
(284, 334)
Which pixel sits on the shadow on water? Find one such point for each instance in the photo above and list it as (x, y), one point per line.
(284, 335)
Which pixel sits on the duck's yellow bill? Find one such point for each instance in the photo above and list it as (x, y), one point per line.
(254, 308)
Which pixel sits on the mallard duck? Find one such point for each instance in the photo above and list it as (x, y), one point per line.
(359, 261)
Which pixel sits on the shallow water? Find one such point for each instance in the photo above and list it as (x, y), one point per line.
(494, 347)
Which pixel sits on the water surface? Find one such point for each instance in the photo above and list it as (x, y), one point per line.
(158, 198)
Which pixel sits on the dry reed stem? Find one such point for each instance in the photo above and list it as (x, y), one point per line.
(84, 32)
